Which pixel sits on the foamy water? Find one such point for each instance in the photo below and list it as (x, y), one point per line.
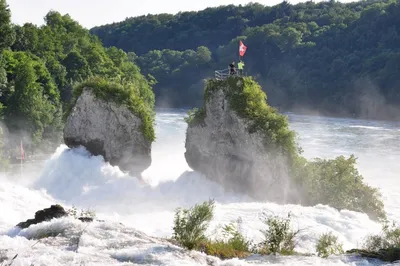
(72, 177)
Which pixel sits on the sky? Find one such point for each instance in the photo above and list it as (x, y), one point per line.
(90, 13)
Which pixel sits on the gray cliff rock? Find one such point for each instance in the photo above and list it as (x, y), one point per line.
(108, 129)
(222, 148)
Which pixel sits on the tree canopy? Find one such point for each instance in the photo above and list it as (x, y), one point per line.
(39, 67)
(336, 58)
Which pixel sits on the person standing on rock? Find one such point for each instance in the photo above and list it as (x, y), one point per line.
(232, 68)
(240, 67)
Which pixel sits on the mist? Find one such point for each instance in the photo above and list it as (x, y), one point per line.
(72, 177)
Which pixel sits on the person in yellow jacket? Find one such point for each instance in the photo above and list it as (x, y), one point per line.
(240, 67)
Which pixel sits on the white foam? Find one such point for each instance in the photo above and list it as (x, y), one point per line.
(72, 177)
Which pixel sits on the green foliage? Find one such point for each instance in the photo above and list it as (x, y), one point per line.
(40, 68)
(195, 117)
(32, 99)
(322, 55)
(248, 100)
(224, 250)
(233, 244)
(235, 238)
(190, 224)
(328, 245)
(389, 238)
(337, 183)
(128, 95)
(7, 33)
(279, 237)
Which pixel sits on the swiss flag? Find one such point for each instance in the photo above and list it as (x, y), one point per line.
(242, 49)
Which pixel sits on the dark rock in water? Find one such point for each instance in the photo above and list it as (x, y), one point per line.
(55, 211)
(86, 219)
(389, 254)
(108, 129)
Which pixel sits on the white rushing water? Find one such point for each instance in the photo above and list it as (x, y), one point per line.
(130, 207)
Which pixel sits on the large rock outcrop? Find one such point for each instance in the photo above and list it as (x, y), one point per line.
(108, 129)
(219, 145)
(55, 211)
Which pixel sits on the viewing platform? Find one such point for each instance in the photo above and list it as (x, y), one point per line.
(225, 73)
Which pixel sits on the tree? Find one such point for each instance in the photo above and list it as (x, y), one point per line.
(27, 38)
(77, 66)
(28, 109)
(203, 55)
(7, 34)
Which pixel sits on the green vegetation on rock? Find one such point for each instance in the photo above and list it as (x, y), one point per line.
(127, 95)
(191, 224)
(384, 246)
(335, 182)
(328, 245)
(279, 237)
(195, 117)
(247, 99)
(40, 66)
(234, 244)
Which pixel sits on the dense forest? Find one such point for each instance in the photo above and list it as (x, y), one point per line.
(39, 67)
(327, 57)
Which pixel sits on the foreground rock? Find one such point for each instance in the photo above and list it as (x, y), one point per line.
(221, 145)
(108, 129)
(390, 254)
(55, 211)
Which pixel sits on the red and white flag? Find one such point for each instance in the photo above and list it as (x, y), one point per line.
(242, 49)
(22, 152)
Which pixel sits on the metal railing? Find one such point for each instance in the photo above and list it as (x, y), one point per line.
(225, 73)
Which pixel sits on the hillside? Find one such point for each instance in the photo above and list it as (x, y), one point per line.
(39, 67)
(330, 57)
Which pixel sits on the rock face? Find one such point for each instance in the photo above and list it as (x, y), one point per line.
(222, 148)
(108, 129)
(55, 211)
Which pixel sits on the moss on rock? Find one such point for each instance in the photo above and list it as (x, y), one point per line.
(334, 182)
(121, 94)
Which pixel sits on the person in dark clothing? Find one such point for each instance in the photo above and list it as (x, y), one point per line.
(232, 70)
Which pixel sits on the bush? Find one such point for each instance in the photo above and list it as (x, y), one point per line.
(190, 224)
(389, 238)
(328, 245)
(337, 183)
(195, 117)
(126, 94)
(235, 238)
(224, 250)
(232, 245)
(279, 237)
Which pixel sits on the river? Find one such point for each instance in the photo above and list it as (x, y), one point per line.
(74, 178)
